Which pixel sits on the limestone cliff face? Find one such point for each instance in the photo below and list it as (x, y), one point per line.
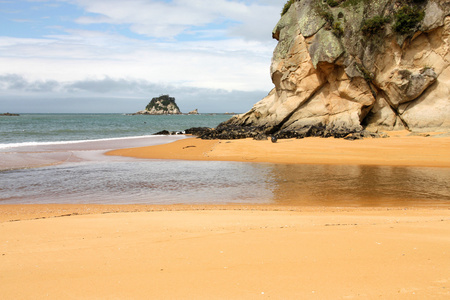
(358, 64)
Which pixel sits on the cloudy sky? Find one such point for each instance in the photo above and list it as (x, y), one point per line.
(114, 56)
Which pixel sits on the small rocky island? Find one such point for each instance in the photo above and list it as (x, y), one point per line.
(162, 105)
(9, 115)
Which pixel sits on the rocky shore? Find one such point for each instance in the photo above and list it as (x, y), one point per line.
(233, 132)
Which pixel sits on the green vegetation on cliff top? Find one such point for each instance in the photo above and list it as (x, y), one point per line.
(286, 7)
(407, 18)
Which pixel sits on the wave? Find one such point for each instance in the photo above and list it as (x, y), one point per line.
(50, 143)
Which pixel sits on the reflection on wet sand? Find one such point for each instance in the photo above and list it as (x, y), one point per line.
(357, 185)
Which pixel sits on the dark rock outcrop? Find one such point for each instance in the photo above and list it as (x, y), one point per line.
(231, 132)
(167, 132)
(198, 131)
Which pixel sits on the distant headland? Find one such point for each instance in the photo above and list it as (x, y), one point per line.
(9, 115)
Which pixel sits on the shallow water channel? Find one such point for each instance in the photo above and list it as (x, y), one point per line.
(80, 173)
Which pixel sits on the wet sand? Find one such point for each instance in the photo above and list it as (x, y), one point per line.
(400, 149)
(236, 251)
(55, 153)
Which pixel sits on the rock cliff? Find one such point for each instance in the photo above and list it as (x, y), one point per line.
(162, 105)
(346, 66)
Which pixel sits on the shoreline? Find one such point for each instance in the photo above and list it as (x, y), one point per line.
(400, 149)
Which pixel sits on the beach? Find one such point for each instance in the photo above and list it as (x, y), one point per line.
(225, 150)
(239, 251)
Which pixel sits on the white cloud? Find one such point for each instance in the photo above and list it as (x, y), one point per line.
(229, 64)
(169, 19)
(184, 46)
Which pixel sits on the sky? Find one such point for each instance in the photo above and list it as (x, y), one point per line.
(110, 56)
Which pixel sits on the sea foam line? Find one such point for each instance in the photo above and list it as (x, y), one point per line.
(30, 144)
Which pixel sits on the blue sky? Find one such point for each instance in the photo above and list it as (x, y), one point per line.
(114, 56)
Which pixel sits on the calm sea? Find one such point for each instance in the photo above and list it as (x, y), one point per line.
(58, 158)
(32, 129)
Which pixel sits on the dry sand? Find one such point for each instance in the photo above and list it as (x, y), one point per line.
(400, 149)
(236, 252)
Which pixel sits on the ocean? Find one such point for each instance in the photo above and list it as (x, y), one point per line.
(58, 158)
(49, 128)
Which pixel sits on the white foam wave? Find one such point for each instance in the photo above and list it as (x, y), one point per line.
(31, 144)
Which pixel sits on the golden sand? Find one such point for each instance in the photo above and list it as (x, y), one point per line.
(398, 150)
(237, 253)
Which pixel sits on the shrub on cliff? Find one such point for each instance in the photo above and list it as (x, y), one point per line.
(334, 3)
(337, 29)
(374, 25)
(408, 18)
(348, 3)
(286, 7)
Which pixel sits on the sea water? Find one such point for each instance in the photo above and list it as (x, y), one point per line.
(32, 129)
(59, 158)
